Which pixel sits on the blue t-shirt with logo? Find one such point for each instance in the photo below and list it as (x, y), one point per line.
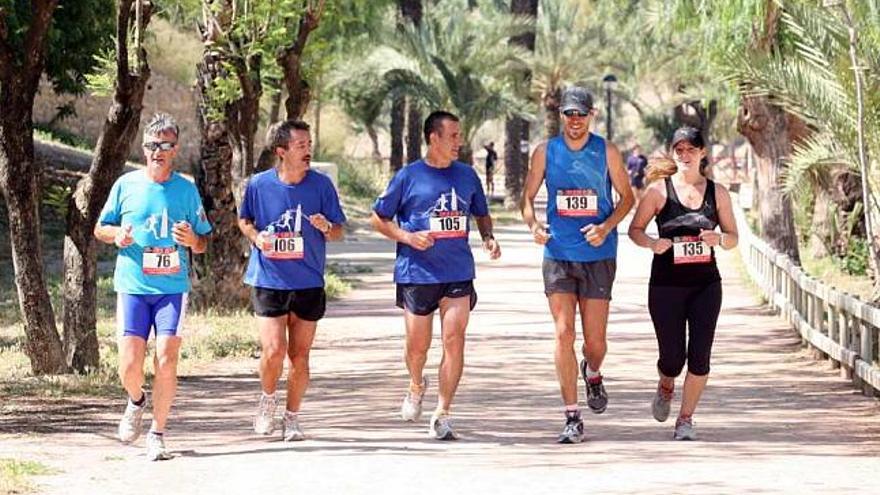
(153, 263)
(295, 258)
(441, 200)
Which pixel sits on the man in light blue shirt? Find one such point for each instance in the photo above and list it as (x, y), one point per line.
(154, 216)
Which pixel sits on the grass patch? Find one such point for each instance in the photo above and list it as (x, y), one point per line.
(15, 475)
(832, 273)
(45, 133)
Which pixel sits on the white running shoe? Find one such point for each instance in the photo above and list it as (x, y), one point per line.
(131, 425)
(411, 409)
(156, 450)
(292, 431)
(264, 421)
(684, 430)
(441, 427)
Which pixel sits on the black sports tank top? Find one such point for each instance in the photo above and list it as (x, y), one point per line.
(686, 263)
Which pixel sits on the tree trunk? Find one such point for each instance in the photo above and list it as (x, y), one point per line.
(290, 61)
(821, 226)
(218, 271)
(413, 132)
(771, 132)
(466, 153)
(80, 255)
(551, 113)
(516, 130)
(374, 138)
(20, 180)
(398, 117)
(20, 183)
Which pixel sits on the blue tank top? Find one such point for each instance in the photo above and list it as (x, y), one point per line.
(578, 194)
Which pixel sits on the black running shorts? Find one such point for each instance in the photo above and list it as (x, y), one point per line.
(424, 299)
(306, 304)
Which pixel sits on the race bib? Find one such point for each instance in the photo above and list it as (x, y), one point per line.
(284, 246)
(448, 225)
(690, 250)
(161, 261)
(577, 203)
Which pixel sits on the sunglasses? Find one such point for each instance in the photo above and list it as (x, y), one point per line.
(575, 113)
(159, 145)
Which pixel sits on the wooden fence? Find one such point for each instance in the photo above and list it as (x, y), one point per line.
(844, 328)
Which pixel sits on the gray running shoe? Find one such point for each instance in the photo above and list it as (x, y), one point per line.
(661, 404)
(264, 421)
(573, 431)
(684, 430)
(156, 450)
(292, 432)
(597, 398)
(411, 409)
(131, 425)
(441, 427)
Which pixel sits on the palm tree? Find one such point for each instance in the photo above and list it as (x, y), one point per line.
(459, 62)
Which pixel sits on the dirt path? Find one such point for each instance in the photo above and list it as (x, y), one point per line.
(771, 421)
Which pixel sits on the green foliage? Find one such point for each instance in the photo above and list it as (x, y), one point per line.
(15, 474)
(360, 179)
(855, 261)
(80, 29)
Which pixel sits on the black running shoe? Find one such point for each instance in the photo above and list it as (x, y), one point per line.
(597, 398)
(574, 429)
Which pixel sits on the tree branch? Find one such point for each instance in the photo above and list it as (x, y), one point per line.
(123, 18)
(5, 49)
(35, 40)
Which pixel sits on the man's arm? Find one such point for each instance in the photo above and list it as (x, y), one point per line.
(418, 240)
(534, 179)
(484, 225)
(596, 234)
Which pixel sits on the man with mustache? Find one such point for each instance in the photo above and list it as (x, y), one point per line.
(432, 201)
(580, 246)
(288, 213)
(153, 216)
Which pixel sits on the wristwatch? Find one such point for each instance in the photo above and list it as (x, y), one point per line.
(488, 237)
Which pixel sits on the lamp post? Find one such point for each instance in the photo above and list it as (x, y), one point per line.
(609, 82)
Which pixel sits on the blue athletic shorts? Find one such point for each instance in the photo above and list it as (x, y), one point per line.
(137, 314)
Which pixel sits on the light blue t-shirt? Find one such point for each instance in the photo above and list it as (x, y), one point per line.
(154, 263)
(441, 200)
(578, 194)
(284, 210)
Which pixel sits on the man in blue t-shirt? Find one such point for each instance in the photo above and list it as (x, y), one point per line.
(289, 212)
(580, 246)
(432, 200)
(152, 216)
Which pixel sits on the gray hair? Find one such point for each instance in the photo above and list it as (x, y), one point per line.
(278, 134)
(162, 122)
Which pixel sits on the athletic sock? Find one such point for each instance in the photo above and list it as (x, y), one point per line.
(140, 402)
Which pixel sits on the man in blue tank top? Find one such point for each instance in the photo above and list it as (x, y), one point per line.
(154, 216)
(432, 200)
(288, 213)
(580, 245)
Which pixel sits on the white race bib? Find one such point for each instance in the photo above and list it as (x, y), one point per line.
(690, 250)
(577, 203)
(161, 260)
(284, 246)
(448, 225)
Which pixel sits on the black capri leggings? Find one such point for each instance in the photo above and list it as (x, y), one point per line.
(673, 307)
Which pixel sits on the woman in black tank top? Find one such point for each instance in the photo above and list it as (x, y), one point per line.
(684, 293)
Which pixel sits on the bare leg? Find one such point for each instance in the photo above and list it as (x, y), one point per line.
(454, 316)
(562, 307)
(301, 336)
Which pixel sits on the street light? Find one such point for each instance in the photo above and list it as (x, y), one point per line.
(609, 82)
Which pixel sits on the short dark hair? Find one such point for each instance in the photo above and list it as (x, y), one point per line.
(278, 134)
(434, 123)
